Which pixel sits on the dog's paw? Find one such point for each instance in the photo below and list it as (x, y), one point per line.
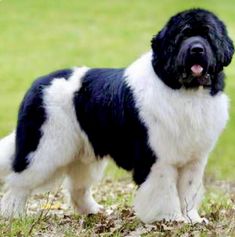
(172, 218)
(169, 217)
(91, 207)
(200, 220)
(97, 209)
(94, 209)
(13, 205)
(193, 217)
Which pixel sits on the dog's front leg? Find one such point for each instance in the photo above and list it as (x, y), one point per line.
(157, 198)
(190, 189)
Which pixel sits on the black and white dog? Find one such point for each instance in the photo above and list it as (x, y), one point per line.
(159, 118)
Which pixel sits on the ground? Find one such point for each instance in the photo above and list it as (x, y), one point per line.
(50, 215)
(40, 36)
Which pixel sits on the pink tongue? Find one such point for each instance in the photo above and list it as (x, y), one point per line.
(197, 70)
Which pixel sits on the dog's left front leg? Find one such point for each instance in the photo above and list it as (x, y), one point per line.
(157, 198)
(191, 189)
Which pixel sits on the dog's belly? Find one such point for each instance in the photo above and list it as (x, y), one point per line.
(188, 128)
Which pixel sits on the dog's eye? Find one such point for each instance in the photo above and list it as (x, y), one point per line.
(205, 29)
(186, 30)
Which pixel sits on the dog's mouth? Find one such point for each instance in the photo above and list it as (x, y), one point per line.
(196, 75)
(194, 62)
(199, 73)
(197, 70)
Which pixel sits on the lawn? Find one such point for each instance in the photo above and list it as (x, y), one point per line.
(40, 36)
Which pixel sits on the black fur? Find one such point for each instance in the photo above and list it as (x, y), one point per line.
(30, 119)
(106, 111)
(168, 43)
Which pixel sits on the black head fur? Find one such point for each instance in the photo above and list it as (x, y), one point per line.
(172, 57)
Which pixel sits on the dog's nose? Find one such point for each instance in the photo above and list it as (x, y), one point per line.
(197, 49)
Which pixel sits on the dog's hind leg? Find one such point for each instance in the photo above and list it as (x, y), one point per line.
(47, 136)
(81, 177)
(50, 157)
(13, 202)
(19, 186)
(56, 150)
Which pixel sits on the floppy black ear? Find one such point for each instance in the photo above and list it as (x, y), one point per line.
(228, 51)
(227, 46)
(157, 41)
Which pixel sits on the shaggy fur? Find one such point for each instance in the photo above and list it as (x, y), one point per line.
(159, 118)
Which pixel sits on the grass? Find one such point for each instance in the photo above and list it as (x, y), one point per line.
(118, 219)
(40, 36)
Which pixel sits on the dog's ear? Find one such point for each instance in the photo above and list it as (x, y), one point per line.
(228, 51)
(226, 45)
(157, 41)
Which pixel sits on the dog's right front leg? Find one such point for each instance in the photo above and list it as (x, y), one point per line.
(157, 198)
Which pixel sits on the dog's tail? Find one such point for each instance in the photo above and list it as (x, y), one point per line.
(7, 151)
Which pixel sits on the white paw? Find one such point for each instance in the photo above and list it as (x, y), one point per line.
(97, 208)
(203, 220)
(91, 207)
(171, 217)
(200, 220)
(159, 217)
(13, 205)
(193, 217)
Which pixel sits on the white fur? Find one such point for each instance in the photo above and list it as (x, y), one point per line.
(183, 127)
(61, 144)
(80, 179)
(7, 150)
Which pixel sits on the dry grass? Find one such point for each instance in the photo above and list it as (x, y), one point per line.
(51, 216)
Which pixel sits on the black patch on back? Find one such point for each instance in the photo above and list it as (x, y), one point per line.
(106, 111)
(31, 117)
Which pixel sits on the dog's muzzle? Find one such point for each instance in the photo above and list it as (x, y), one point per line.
(194, 59)
(197, 50)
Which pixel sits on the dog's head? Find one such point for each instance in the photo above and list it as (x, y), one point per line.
(191, 51)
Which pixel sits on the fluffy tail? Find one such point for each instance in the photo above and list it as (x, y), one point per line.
(7, 150)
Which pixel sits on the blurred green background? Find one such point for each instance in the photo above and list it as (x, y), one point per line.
(39, 36)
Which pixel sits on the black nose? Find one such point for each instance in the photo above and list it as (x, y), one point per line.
(197, 49)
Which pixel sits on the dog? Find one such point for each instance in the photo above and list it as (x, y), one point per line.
(159, 118)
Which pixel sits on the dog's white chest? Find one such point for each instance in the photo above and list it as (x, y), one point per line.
(184, 125)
